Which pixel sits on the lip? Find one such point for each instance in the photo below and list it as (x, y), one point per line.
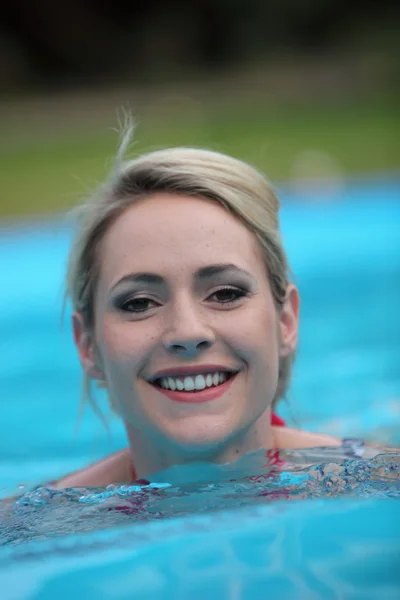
(205, 395)
(187, 371)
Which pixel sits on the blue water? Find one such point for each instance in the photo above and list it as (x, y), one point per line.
(324, 528)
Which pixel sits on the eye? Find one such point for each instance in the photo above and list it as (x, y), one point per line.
(228, 295)
(138, 305)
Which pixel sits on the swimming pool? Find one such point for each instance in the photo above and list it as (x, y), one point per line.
(346, 257)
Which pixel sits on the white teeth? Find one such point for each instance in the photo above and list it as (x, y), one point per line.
(188, 384)
(198, 382)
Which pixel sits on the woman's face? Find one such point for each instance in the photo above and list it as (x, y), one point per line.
(187, 337)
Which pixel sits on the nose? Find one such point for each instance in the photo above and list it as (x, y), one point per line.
(188, 348)
(188, 334)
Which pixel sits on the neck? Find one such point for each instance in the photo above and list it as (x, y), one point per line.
(150, 457)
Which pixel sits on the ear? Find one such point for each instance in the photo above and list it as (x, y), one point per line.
(84, 344)
(289, 321)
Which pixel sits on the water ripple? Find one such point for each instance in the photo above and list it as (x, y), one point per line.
(43, 513)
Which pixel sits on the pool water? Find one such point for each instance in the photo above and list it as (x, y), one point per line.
(324, 527)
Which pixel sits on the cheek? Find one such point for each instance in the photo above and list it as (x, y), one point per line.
(123, 343)
(258, 331)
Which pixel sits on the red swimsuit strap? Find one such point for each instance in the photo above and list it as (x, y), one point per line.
(275, 420)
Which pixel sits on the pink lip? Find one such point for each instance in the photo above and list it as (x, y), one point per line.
(195, 370)
(194, 397)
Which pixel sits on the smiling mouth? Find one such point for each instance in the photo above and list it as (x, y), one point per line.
(194, 383)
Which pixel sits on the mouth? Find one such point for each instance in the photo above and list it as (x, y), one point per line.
(194, 386)
(193, 383)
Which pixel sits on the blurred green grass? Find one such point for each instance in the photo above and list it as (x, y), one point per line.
(49, 173)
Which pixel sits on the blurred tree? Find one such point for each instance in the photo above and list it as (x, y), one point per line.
(82, 40)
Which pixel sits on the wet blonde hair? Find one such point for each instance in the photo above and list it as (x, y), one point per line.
(238, 187)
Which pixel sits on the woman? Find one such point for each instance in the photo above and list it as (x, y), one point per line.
(183, 310)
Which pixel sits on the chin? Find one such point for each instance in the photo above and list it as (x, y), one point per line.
(201, 437)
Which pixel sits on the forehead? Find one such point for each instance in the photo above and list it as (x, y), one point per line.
(166, 230)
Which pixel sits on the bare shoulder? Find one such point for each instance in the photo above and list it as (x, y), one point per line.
(286, 437)
(115, 468)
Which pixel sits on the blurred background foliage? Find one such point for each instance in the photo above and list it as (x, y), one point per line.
(302, 90)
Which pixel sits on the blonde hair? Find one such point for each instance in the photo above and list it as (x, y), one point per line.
(238, 187)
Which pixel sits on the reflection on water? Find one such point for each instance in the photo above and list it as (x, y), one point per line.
(186, 490)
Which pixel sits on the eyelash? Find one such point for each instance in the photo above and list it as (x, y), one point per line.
(123, 305)
(240, 293)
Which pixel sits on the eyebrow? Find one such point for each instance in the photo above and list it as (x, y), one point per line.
(141, 278)
(201, 274)
(219, 269)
